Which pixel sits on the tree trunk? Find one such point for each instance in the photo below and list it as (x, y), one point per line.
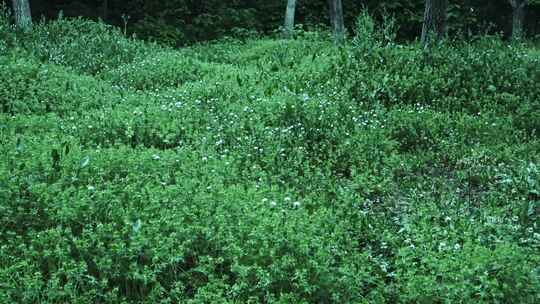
(518, 17)
(434, 21)
(289, 18)
(23, 17)
(105, 10)
(336, 20)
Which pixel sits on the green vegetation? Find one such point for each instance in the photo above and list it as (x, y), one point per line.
(267, 171)
(183, 22)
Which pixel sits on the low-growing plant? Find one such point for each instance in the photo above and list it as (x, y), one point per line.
(28, 86)
(267, 171)
(161, 70)
(85, 46)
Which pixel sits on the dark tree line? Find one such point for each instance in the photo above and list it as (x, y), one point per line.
(435, 15)
(193, 20)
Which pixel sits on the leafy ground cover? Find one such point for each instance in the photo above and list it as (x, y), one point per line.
(267, 171)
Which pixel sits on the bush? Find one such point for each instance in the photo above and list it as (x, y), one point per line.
(139, 250)
(451, 78)
(86, 46)
(159, 71)
(458, 274)
(156, 29)
(28, 86)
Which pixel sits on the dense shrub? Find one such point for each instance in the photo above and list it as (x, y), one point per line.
(28, 86)
(452, 77)
(268, 171)
(87, 47)
(158, 71)
(467, 273)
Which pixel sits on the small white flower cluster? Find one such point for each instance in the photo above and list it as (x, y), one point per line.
(443, 246)
(287, 201)
(369, 120)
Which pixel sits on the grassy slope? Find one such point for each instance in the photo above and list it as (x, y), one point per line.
(237, 172)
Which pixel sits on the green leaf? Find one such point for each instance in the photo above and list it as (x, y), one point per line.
(530, 211)
(137, 226)
(85, 162)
